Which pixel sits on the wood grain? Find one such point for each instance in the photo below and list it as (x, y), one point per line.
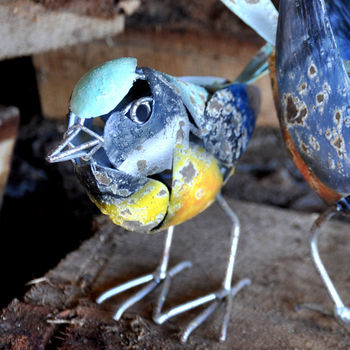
(273, 253)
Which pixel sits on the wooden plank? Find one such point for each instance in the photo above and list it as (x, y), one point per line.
(211, 16)
(9, 120)
(185, 53)
(273, 253)
(28, 27)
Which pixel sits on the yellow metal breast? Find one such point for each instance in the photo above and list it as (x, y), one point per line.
(140, 212)
(196, 182)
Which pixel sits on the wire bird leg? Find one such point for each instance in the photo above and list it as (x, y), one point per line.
(340, 312)
(224, 295)
(150, 281)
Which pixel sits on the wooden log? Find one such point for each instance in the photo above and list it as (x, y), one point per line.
(28, 27)
(9, 120)
(273, 252)
(176, 53)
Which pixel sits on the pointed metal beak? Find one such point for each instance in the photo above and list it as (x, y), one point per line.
(67, 150)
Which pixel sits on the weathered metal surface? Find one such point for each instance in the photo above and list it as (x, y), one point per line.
(147, 148)
(196, 181)
(143, 211)
(229, 123)
(149, 132)
(258, 14)
(104, 182)
(102, 88)
(314, 92)
(194, 97)
(338, 12)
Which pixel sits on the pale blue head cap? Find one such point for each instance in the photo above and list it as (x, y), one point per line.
(103, 87)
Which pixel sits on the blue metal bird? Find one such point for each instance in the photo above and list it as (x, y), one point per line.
(153, 151)
(313, 45)
(312, 93)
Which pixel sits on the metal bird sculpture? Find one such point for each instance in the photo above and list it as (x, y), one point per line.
(310, 79)
(313, 45)
(153, 151)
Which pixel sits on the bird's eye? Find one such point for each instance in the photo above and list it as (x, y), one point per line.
(141, 110)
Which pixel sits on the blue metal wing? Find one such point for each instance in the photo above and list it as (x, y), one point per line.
(314, 86)
(223, 114)
(230, 120)
(339, 16)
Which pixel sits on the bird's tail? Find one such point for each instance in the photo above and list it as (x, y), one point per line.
(257, 67)
(262, 17)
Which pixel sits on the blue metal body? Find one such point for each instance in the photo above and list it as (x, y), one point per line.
(314, 91)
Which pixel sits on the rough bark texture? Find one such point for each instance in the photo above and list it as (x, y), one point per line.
(59, 310)
(28, 27)
(9, 120)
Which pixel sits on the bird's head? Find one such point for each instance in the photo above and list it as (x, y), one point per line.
(123, 117)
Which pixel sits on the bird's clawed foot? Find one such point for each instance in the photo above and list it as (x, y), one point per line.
(340, 314)
(150, 282)
(215, 299)
(162, 277)
(224, 295)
